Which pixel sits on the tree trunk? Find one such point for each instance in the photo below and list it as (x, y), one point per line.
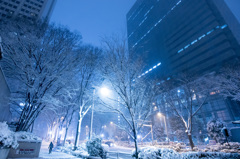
(59, 135)
(78, 133)
(65, 136)
(56, 134)
(190, 141)
(136, 143)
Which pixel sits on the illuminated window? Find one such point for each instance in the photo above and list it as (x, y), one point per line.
(201, 37)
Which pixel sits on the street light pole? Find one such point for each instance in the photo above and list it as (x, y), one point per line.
(164, 118)
(92, 115)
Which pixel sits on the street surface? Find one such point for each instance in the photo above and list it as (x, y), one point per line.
(116, 152)
(119, 152)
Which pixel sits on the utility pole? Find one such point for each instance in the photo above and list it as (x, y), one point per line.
(92, 114)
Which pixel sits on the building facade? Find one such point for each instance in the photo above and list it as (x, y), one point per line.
(31, 9)
(195, 36)
(5, 114)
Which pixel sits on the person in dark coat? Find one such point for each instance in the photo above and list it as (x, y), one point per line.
(50, 147)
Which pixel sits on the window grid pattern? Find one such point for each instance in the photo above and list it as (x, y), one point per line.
(201, 37)
(156, 24)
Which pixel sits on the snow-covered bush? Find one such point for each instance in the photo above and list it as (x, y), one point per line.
(214, 128)
(165, 153)
(26, 136)
(7, 137)
(95, 148)
(208, 155)
(156, 153)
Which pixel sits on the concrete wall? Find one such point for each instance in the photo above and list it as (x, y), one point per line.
(5, 114)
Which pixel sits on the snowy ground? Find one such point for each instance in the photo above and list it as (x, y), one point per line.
(54, 155)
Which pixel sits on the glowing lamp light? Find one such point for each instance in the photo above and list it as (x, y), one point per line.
(105, 91)
(159, 114)
(206, 139)
(102, 135)
(139, 136)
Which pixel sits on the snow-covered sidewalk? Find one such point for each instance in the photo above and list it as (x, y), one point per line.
(54, 155)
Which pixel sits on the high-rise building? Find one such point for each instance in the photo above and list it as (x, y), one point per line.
(183, 35)
(31, 9)
(196, 36)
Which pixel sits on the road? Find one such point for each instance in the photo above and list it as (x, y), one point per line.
(118, 152)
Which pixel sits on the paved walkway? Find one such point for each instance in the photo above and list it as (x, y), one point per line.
(54, 155)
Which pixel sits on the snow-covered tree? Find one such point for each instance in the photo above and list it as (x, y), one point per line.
(121, 70)
(214, 127)
(178, 129)
(39, 60)
(185, 95)
(227, 82)
(85, 81)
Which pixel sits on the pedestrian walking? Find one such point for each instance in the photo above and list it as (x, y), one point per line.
(50, 147)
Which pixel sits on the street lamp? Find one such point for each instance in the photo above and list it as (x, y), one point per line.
(104, 92)
(164, 118)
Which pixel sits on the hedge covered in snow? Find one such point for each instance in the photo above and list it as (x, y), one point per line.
(95, 148)
(7, 137)
(166, 153)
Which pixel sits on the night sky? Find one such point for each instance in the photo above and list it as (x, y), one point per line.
(98, 18)
(93, 18)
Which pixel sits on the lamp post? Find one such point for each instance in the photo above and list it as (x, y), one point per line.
(105, 92)
(164, 118)
(92, 114)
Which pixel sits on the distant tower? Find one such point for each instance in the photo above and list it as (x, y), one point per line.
(31, 9)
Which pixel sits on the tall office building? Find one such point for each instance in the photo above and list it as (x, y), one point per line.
(183, 35)
(196, 36)
(31, 9)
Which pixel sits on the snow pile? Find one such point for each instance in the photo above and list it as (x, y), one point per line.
(95, 148)
(231, 147)
(166, 153)
(81, 150)
(7, 138)
(209, 155)
(26, 136)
